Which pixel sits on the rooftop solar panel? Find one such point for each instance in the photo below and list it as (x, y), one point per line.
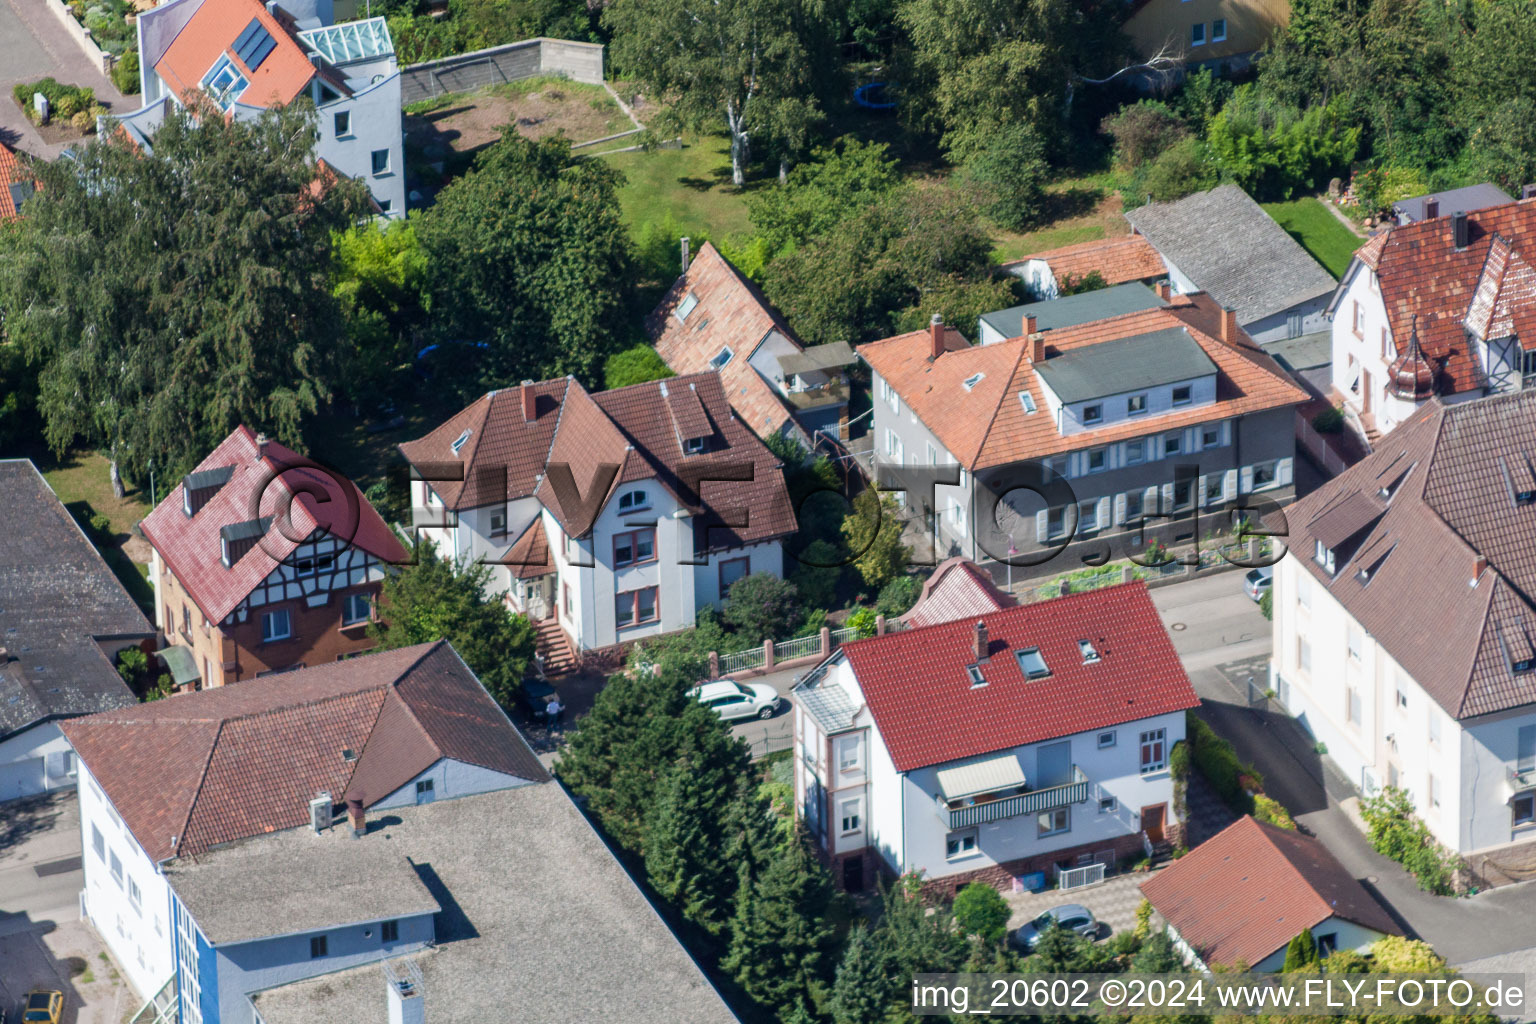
(254, 45)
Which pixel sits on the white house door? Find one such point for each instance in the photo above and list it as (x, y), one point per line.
(1053, 765)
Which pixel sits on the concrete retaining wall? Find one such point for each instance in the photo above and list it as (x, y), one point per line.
(465, 72)
(82, 36)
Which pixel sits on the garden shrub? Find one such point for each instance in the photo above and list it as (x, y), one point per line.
(818, 574)
(1398, 955)
(1329, 421)
(1008, 178)
(762, 607)
(1142, 131)
(1396, 832)
(863, 620)
(1273, 811)
(1273, 151)
(101, 526)
(64, 101)
(125, 73)
(898, 596)
(1267, 605)
(1216, 760)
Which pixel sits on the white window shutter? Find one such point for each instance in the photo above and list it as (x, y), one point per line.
(1283, 472)
(1167, 505)
(1102, 518)
(1043, 525)
(1226, 432)
(1149, 505)
(1200, 489)
(1245, 480)
(1229, 485)
(1119, 509)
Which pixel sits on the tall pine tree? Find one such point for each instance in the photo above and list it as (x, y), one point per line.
(781, 943)
(865, 983)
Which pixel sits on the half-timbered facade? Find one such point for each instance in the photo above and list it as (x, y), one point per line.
(255, 573)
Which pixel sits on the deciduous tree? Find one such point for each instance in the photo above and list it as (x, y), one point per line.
(168, 295)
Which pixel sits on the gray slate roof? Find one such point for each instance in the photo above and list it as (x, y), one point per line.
(1457, 200)
(547, 928)
(1126, 364)
(57, 598)
(1072, 310)
(1228, 246)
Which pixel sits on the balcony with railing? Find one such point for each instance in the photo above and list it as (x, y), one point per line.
(1520, 778)
(982, 809)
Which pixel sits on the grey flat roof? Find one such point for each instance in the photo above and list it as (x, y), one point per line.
(821, 357)
(826, 701)
(1071, 310)
(1126, 364)
(297, 881)
(1456, 200)
(57, 597)
(1228, 246)
(545, 928)
(1304, 353)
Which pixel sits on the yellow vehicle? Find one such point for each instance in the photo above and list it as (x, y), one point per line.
(43, 1007)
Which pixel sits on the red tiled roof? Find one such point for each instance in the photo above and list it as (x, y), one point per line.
(212, 30)
(641, 429)
(283, 483)
(957, 589)
(987, 425)
(528, 557)
(1487, 286)
(11, 172)
(732, 313)
(1246, 892)
(1118, 260)
(196, 770)
(916, 685)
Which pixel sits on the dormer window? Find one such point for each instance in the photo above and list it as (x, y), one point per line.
(498, 523)
(629, 501)
(970, 382)
(1183, 395)
(1027, 401)
(695, 445)
(1324, 557)
(974, 671)
(1093, 413)
(724, 356)
(1090, 655)
(1032, 663)
(458, 445)
(186, 506)
(1136, 405)
(686, 306)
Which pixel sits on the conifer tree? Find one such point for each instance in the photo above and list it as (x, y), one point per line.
(780, 939)
(865, 983)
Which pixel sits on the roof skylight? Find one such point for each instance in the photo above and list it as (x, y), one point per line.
(971, 381)
(460, 442)
(224, 83)
(1027, 401)
(1032, 663)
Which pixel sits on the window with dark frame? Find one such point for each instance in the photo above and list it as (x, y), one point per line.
(731, 570)
(635, 607)
(634, 547)
(318, 947)
(356, 608)
(389, 931)
(1183, 395)
(1153, 750)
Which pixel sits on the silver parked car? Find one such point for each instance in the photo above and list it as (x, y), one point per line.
(731, 700)
(1072, 916)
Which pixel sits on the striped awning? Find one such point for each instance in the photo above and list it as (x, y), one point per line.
(981, 777)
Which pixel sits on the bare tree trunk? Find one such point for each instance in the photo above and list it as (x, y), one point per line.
(740, 145)
(117, 478)
(783, 169)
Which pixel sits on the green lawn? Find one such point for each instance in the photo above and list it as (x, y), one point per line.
(687, 189)
(1319, 232)
(82, 482)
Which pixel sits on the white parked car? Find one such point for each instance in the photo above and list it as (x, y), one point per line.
(731, 700)
(1258, 582)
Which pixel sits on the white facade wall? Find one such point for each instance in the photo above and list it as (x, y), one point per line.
(449, 779)
(1456, 773)
(1113, 773)
(1159, 401)
(36, 760)
(1363, 348)
(138, 933)
(375, 124)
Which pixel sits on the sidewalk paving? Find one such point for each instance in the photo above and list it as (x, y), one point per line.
(1497, 921)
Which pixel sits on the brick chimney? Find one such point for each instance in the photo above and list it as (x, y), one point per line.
(261, 447)
(1164, 290)
(356, 816)
(1037, 347)
(982, 645)
(1479, 565)
(1460, 229)
(1229, 326)
(1431, 208)
(1031, 325)
(1528, 191)
(935, 336)
(529, 400)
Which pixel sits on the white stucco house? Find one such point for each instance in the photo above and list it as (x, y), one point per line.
(606, 517)
(1439, 307)
(990, 748)
(1403, 630)
(246, 56)
(63, 618)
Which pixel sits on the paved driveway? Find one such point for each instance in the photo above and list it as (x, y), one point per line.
(34, 45)
(43, 942)
(1113, 902)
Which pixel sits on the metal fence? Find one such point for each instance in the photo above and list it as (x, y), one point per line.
(1077, 878)
(800, 647)
(752, 657)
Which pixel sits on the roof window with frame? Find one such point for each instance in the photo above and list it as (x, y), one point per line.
(1032, 663)
(458, 445)
(722, 358)
(225, 83)
(689, 303)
